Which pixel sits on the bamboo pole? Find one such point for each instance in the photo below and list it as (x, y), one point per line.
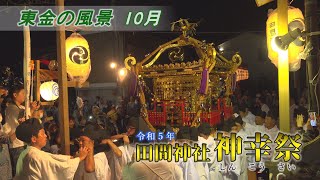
(26, 68)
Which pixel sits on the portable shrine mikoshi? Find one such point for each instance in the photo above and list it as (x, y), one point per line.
(184, 92)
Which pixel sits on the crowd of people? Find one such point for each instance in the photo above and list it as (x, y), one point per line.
(103, 139)
(267, 101)
(110, 121)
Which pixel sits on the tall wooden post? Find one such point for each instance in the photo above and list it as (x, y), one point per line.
(63, 84)
(283, 69)
(37, 80)
(311, 21)
(27, 68)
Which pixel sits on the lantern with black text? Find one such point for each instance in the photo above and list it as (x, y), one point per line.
(295, 20)
(49, 91)
(78, 58)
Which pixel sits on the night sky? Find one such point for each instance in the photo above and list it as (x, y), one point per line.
(221, 21)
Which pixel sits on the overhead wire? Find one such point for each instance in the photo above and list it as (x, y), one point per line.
(291, 2)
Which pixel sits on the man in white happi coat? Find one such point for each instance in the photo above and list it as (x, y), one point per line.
(146, 170)
(259, 122)
(119, 159)
(271, 125)
(242, 160)
(224, 166)
(188, 167)
(272, 131)
(246, 115)
(247, 128)
(35, 164)
(95, 166)
(162, 170)
(209, 169)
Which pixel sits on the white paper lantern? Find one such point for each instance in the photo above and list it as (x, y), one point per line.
(295, 20)
(49, 91)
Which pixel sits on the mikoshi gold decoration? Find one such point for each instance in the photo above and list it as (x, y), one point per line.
(262, 2)
(78, 58)
(49, 91)
(183, 80)
(295, 20)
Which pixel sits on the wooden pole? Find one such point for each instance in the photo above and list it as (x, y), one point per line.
(283, 69)
(37, 80)
(63, 84)
(312, 25)
(26, 68)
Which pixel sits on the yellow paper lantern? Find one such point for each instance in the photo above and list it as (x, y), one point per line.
(295, 20)
(49, 91)
(78, 58)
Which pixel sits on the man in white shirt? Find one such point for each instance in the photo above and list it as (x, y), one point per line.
(272, 130)
(270, 125)
(119, 159)
(95, 166)
(211, 167)
(240, 163)
(146, 170)
(242, 160)
(247, 128)
(246, 115)
(33, 163)
(263, 105)
(188, 168)
(164, 170)
(259, 122)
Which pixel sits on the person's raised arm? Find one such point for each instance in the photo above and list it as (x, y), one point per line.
(113, 147)
(89, 161)
(118, 136)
